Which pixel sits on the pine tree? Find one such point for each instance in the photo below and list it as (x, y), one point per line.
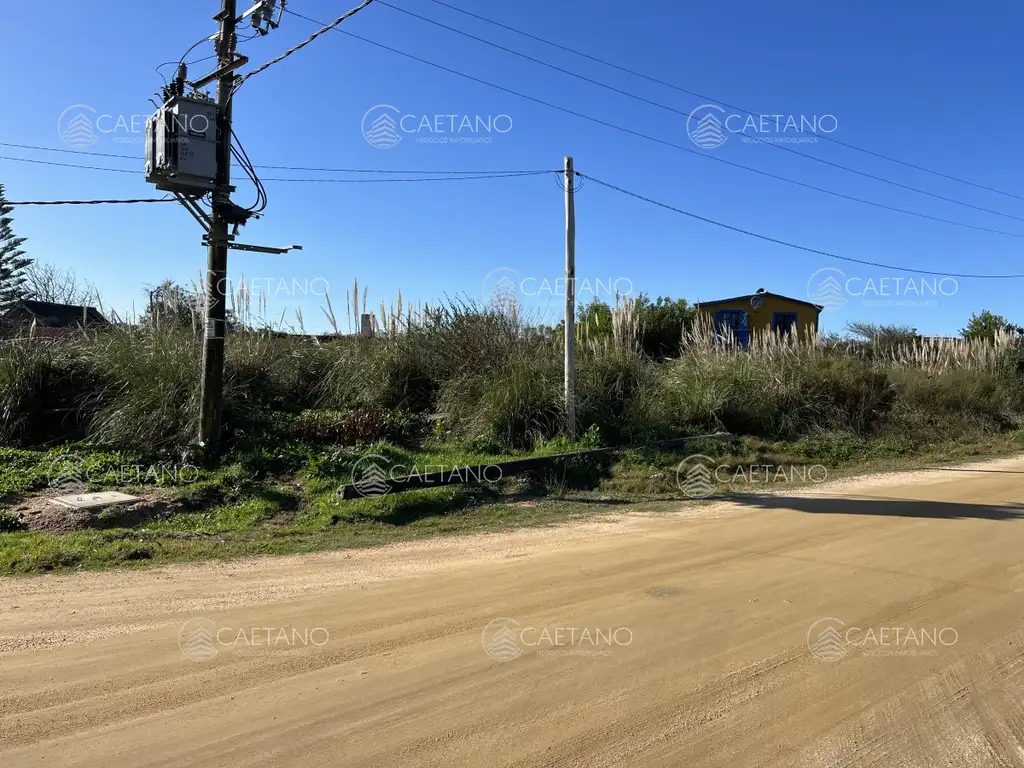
(12, 259)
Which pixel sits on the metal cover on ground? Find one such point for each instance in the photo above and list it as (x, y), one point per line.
(91, 500)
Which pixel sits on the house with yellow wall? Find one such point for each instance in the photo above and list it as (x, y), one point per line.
(759, 313)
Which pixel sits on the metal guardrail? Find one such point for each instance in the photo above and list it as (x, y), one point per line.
(479, 473)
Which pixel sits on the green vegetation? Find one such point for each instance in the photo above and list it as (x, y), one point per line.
(449, 387)
(987, 325)
(13, 261)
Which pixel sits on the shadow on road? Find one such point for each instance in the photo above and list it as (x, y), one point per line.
(868, 505)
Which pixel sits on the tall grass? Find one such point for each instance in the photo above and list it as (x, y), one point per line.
(488, 374)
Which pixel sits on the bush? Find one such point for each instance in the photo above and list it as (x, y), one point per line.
(46, 391)
(514, 404)
(358, 425)
(11, 523)
(952, 404)
(617, 393)
(498, 381)
(853, 397)
(741, 395)
(273, 373)
(149, 397)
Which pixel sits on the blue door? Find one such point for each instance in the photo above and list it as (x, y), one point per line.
(734, 320)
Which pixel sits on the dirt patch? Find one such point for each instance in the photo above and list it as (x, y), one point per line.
(96, 666)
(40, 513)
(662, 591)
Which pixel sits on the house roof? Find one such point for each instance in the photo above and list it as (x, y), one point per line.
(50, 315)
(749, 296)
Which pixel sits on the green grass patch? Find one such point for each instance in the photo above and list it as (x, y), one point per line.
(234, 512)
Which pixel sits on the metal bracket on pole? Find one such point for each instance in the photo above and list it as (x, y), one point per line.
(193, 207)
(241, 61)
(256, 248)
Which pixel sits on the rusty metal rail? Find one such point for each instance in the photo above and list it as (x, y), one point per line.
(377, 482)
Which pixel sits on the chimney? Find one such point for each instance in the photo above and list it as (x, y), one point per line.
(367, 326)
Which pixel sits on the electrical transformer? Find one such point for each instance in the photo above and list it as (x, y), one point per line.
(181, 145)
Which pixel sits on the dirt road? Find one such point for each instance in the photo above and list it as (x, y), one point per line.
(877, 622)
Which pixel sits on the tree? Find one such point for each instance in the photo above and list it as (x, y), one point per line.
(663, 322)
(48, 282)
(596, 318)
(172, 306)
(987, 325)
(885, 336)
(12, 259)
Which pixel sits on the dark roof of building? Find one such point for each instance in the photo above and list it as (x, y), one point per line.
(749, 296)
(50, 315)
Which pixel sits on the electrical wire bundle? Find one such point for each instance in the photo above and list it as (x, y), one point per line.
(242, 157)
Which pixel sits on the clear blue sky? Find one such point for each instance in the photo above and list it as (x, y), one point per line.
(934, 85)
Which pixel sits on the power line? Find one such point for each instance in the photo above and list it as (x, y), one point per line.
(701, 96)
(92, 202)
(68, 165)
(464, 175)
(788, 244)
(186, 53)
(303, 44)
(688, 115)
(674, 145)
(69, 151)
(407, 170)
(266, 167)
(204, 58)
(514, 175)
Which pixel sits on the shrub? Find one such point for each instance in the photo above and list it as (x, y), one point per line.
(150, 394)
(617, 393)
(931, 406)
(358, 425)
(45, 392)
(853, 396)
(497, 381)
(514, 404)
(11, 523)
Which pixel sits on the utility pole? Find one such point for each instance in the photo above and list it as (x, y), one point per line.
(188, 154)
(570, 298)
(212, 405)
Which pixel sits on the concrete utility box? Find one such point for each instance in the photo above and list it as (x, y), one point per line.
(94, 500)
(181, 146)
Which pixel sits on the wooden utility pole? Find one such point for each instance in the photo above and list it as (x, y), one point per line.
(570, 299)
(211, 415)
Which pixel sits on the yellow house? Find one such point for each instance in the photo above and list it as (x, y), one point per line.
(761, 312)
